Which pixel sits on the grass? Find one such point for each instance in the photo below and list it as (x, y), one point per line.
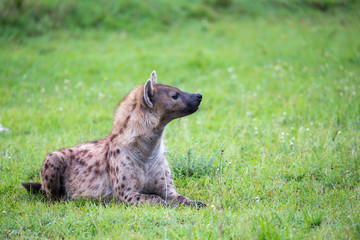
(273, 151)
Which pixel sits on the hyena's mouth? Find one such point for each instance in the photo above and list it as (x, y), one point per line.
(192, 108)
(194, 100)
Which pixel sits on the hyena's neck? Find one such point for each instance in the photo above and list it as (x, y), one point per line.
(136, 127)
(142, 148)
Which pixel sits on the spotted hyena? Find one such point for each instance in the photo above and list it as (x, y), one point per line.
(130, 164)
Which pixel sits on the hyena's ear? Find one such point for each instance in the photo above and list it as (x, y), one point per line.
(153, 77)
(148, 93)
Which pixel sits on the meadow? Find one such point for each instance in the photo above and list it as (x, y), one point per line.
(273, 150)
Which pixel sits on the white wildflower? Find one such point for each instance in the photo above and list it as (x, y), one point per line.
(4, 129)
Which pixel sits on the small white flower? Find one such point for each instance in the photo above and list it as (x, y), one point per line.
(307, 129)
(255, 128)
(339, 132)
(284, 113)
(3, 129)
(60, 108)
(291, 143)
(256, 133)
(230, 69)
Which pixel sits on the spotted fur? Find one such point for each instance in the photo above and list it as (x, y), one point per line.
(130, 164)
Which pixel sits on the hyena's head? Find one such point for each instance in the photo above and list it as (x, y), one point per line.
(169, 102)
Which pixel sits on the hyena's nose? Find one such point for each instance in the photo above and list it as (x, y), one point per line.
(199, 96)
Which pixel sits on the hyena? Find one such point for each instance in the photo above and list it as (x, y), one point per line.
(128, 165)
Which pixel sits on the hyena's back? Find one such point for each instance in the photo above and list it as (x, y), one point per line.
(78, 171)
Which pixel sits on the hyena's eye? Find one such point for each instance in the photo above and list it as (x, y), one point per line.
(175, 96)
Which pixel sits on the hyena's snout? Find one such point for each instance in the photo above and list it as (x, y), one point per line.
(193, 102)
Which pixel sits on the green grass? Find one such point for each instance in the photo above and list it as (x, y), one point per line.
(273, 151)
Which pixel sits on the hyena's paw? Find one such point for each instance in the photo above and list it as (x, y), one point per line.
(198, 204)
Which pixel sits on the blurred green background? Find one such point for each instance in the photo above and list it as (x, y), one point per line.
(36, 17)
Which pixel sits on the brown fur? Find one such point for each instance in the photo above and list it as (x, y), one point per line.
(129, 164)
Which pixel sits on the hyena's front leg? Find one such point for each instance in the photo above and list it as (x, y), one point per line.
(126, 186)
(164, 186)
